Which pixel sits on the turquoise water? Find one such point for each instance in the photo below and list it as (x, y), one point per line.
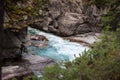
(58, 49)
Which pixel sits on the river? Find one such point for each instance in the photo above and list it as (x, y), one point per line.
(58, 49)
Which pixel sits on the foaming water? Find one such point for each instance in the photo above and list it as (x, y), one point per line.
(58, 49)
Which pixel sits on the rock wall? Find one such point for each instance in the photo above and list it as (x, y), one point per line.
(12, 43)
(62, 17)
(68, 17)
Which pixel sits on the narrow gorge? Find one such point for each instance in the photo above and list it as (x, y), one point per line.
(61, 32)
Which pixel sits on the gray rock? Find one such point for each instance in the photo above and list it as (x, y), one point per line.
(30, 65)
(11, 42)
(68, 17)
(85, 39)
(39, 41)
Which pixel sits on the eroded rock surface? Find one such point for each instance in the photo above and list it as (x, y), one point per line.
(85, 39)
(12, 42)
(29, 65)
(69, 17)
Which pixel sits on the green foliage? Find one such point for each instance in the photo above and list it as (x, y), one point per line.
(14, 79)
(30, 77)
(23, 12)
(103, 60)
(111, 19)
(104, 3)
(99, 63)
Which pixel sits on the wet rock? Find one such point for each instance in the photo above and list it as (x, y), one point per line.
(39, 38)
(39, 41)
(29, 65)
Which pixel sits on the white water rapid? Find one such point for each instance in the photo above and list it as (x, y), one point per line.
(58, 49)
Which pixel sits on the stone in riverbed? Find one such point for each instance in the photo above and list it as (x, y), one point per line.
(39, 41)
(39, 38)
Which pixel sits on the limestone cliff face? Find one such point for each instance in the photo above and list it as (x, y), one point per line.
(68, 17)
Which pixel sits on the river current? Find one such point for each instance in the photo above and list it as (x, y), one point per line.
(58, 48)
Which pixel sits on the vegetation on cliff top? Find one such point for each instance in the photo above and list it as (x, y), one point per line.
(23, 12)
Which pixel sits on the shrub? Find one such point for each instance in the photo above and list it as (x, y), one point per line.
(99, 63)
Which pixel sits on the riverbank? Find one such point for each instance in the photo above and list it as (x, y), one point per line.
(36, 63)
(85, 39)
(30, 64)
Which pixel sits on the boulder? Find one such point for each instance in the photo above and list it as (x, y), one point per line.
(39, 41)
(69, 17)
(39, 38)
